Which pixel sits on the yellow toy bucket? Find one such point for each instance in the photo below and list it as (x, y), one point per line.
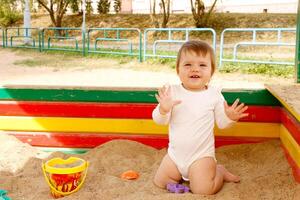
(65, 176)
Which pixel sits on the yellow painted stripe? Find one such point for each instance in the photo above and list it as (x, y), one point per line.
(127, 126)
(290, 144)
(286, 105)
(251, 129)
(61, 124)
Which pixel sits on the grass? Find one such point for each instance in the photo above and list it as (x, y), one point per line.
(32, 63)
(219, 22)
(284, 71)
(59, 59)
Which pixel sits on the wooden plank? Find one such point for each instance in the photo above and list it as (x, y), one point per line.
(251, 129)
(111, 110)
(295, 168)
(76, 109)
(86, 140)
(288, 95)
(126, 126)
(130, 126)
(230, 140)
(91, 140)
(290, 144)
(291, 124)
(250, 97)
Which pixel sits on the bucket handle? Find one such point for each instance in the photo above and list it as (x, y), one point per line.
(65, 193)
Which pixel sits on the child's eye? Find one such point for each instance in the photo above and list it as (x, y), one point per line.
(187, 65)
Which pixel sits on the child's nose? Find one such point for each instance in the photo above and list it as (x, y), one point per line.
(195, 68)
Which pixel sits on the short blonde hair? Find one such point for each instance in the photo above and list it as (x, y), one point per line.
(200, 48)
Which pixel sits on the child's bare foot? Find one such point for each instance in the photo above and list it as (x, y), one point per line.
(229, 177)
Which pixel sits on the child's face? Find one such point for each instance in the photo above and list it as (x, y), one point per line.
(194, 70)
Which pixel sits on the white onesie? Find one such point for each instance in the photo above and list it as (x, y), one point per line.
(191, 125)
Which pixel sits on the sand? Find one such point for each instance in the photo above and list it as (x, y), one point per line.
(264, 171)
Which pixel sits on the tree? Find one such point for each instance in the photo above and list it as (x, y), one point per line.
(103, 6)
(201, 18)
(74, 5)
(153, 15)
(165, 4)
(56, 10)
(117, 5)
(89, 8)
(8, 12)
(165, 7)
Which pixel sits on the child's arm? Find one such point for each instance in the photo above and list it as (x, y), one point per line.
(236, 110)
(159, 118)
(226, 115)
(161, 114)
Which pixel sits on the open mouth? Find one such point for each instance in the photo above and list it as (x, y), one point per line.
(194, 76)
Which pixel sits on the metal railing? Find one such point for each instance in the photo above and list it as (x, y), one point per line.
(2, 32)
(2, 37)
(22, 37)
(113, 42)
(255, 43)
(62, 39)
(170, 39)
(128, 41)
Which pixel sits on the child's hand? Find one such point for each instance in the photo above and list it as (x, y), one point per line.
(165, 100)
(235, 111)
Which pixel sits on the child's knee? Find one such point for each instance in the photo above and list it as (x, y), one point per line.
(203, 189)
(158, 182)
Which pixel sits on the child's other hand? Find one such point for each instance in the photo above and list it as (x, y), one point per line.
(235, 111)
(165, 100)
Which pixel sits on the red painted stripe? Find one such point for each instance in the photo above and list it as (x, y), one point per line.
(86, 140)
(76, 109)
(77, 140)
(112, 110)
(225, 140)
(263, 114)
(295, 168)
(291, 123)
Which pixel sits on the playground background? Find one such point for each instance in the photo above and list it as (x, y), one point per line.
(33, 68)
(63, 68)
(263, 168)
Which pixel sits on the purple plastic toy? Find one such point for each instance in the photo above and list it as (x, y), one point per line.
(177, 188)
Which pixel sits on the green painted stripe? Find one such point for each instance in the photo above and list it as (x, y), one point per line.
(250, 97)
(77, 95)
(64, 150)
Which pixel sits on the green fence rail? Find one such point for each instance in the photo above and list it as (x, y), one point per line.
(22, 37)
(115, 41)
(62, 39)
(2, 37)
(253, 43)
(297, 54)
(171, 39)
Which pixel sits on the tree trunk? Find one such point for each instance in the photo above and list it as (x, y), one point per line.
(153, 16)
(201, 18)
(166, 13)
(57, 15)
